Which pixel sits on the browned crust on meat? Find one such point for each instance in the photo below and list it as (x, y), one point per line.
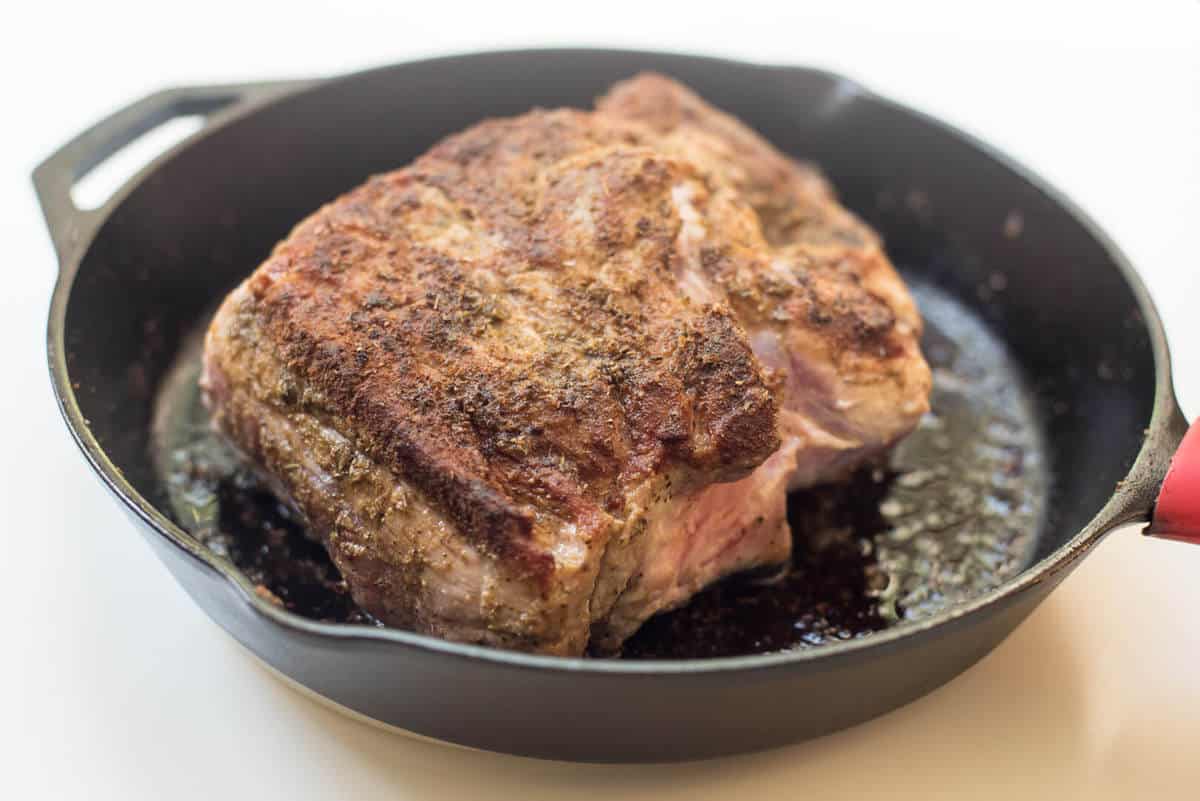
(838, 281)
(540, 334)
(500, 326)
(397, 552)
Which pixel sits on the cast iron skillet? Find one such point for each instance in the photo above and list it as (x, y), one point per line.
(142, 270)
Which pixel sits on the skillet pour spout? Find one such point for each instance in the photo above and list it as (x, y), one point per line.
(140, 272)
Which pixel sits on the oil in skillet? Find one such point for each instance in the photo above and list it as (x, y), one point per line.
(955, 513)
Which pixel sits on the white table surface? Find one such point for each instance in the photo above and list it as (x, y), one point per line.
(116, 686)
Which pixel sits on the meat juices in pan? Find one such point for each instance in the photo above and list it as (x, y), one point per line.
(558, 375)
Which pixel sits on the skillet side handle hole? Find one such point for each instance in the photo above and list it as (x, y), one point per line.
(94, 188)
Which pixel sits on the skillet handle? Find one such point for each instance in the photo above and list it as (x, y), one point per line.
(72, 227)
(1177, 510)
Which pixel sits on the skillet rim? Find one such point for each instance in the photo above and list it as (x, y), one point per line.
(1128, 503)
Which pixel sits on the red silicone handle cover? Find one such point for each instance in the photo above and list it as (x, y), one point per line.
(1177, 511)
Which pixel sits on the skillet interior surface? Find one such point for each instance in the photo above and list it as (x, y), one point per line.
(977, 234)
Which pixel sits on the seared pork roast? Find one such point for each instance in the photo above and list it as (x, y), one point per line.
(559, 374)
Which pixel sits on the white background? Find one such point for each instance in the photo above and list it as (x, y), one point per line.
(113, 685)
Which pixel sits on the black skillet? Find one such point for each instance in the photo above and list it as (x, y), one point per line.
(141, 272)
